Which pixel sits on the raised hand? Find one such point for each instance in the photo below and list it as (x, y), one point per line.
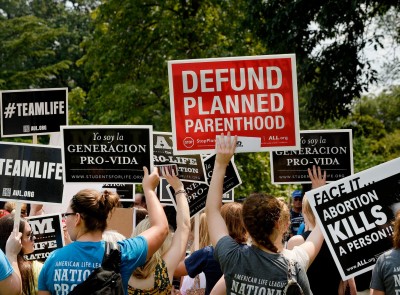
(150, 181)
(172, 179)
(317, 177)
(225, 148)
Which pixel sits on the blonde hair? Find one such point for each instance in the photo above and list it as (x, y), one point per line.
(149, 267)
(308, 212)
(204, 237)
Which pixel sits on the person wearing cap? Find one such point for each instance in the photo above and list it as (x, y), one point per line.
(296, 216)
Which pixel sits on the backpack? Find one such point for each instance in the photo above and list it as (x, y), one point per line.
(292, 287)
(105, 279)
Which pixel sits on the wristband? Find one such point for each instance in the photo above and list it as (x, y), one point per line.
(181, 191)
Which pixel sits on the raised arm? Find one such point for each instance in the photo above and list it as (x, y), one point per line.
(225, 148)
(219, 288)
(179, 241)
(158, 231)
(314, 241)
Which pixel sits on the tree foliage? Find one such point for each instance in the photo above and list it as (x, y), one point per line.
(41, 43)
(327, 38)
(135, 39)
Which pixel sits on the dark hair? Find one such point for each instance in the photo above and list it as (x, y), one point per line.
(232, 214)
(25, 266)
(94, 207)
(141, 214)
(260, 214)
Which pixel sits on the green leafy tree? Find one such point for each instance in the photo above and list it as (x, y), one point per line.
(40, 43)
(328, 38)
(133, 40)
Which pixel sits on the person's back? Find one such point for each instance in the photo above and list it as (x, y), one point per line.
(156, 276)
(262, 267)
(86, 220)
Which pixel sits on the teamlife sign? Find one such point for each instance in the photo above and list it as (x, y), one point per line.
(33, 111)
(47, 230)
(253, 97)
(106, 153)
(30, 173)
(332, 150)
(190, 167)
(356, 214)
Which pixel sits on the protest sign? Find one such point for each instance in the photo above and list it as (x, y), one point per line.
(163, 193)
(125, 191)
(232, 177)
(33, 111)
(30, 173)
(253, 97)
(48, 233)
(190, 167)
(332, 150)
(106, 153)
(355, 215)
(122, 221)
(196, 196)
(229, 196)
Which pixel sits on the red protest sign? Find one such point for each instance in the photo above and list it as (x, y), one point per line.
(252, 97)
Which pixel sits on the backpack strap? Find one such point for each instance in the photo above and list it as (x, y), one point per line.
(112, 257)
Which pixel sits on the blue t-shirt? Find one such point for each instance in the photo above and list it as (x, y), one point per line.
(71, 265)
(5, 266)
(203, 260)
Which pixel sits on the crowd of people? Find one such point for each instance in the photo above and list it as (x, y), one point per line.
(244, 247)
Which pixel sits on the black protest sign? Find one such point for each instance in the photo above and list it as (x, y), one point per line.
(33, 111)
(229, 196)
(355, 215)
(332, 150)
(30, 173)
(106, 153)
(125, 191)
(190, 167)
(163, 192)
(232, 177)
(196, 196)
(48, 233)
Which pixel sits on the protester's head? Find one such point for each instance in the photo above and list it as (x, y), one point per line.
(140, 200)
(297, 197)
(265, 218)
(141, 214)
(232, 214)
(148, 268)
(308, 214)
(10, 207)
(112, 236)
(396, 231)
(88, 211)
(7, 226)
(27, 242)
